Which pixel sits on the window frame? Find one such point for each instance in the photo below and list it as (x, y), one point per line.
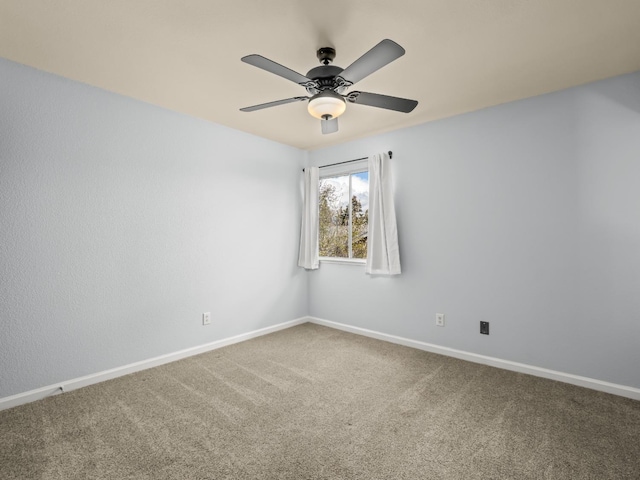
(351, 168)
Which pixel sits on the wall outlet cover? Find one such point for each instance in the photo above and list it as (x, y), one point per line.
(484, 328)
(206, 318)
(440, 319)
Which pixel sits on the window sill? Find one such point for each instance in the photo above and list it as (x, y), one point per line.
(343, 261)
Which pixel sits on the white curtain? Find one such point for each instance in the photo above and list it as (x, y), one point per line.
(308, 257)
(383, 254)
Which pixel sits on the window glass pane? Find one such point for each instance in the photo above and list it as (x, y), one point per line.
(344, 216)
(334, 217)
(359, 213)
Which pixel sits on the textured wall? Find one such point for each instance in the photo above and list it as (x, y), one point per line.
(120, 223)
(526, 215)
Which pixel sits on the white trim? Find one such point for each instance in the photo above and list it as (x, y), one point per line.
(343, 261)
(615, 389)
(75, 383)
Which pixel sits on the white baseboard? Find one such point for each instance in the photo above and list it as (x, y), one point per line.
(621, 390)
(73, 384)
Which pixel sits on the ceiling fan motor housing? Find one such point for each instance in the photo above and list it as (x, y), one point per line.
(324, 77)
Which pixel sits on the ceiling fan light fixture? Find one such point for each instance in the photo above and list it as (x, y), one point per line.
(326, 103)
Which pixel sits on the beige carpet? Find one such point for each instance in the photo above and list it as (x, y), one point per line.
(316, 403)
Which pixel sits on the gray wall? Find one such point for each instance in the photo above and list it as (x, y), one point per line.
(526, 215)
(120, 223)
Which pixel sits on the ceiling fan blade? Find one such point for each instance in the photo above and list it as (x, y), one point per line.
(382, 101)
(273, 104)
(329, 126)
(273, 67)
(383, 53)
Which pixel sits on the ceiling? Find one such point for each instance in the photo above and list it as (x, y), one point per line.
(461, 55)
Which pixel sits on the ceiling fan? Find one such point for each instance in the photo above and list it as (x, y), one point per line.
(328, 83)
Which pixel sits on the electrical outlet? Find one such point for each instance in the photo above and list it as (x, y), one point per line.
(484, 328)
(440, 319)
(206, 318)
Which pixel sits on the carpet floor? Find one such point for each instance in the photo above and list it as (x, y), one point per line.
(312, 402)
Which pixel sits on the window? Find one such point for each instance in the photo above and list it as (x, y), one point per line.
(344, 212)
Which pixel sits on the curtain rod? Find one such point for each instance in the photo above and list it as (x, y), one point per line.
(349, 161)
